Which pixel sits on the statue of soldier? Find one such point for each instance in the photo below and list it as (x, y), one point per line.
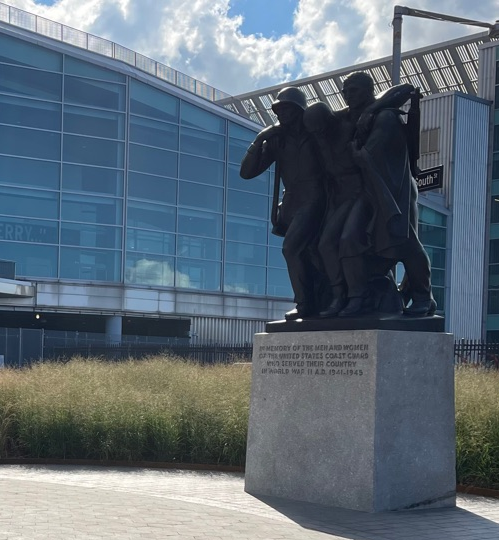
(369, 151)
(292, 148)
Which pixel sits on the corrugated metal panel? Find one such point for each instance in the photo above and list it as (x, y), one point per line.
(487, 71)
(437, 112)
(469, 205)
(218, 330)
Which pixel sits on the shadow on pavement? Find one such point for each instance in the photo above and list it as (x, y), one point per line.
(435, 524)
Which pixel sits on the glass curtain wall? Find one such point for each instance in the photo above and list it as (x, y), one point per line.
(105, 178)
(493, 290)
(432, 231)
(30, 159)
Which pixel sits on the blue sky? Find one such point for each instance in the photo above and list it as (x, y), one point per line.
(241, 45)
(270, 18)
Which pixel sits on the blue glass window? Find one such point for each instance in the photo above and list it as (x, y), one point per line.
(16, 51)
(90, 264)
(94, 122)
(30, 113)
(148, 101)
(247, 230)
(278, 283)
(200, 196)
(146, 269)
(152, 160)
(206, 171)
(94, 93)
(493, 305)
(199, 118)
(432, 217)
(88, 235)
(438, 278)
(439, 296)
(32, 260)
(194, 274)
(193, 141)
(240, 132)
(494, 276)
(151, 216)
(153, 133)
(29, 230)
(90, 151)
(437, 256)
(276, 257)
(274, 240)
(88, 209)
(29, 172)
(74, 66)
(240, 278)
(248, 204)
(260, 184)
(431, 235)
(199, 248)
(29, 203)
(496, 142)
(246, 253)
(197, 223)
(494, 209)
(494, 251)
(29, 82)
(237, 149)
(30, 143)
(92, 180)
(152, 188)
(150, 242)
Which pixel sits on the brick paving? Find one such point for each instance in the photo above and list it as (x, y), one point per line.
(94, 503)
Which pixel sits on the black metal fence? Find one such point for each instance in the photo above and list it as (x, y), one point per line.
(466, 352)
(204, 354)
(476, 353)
(20, 347)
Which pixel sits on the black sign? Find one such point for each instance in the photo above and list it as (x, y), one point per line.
(430, 178)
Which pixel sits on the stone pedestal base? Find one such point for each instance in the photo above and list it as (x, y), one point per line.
(362, 419)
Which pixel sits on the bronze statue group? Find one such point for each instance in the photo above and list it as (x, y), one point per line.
(349, 208)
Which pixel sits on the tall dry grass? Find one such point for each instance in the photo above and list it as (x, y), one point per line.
(477, 427)
(160, 409)
(163, 409)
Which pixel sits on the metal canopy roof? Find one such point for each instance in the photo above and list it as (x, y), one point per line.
(452, 65)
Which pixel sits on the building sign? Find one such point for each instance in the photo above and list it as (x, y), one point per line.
(25, 232)
(430, 178)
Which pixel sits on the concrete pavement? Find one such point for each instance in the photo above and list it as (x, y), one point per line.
(95, 503)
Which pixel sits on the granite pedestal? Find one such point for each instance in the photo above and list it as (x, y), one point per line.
(360, 419)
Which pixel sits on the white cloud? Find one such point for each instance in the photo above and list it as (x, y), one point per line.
(201, 39)
(417, 32)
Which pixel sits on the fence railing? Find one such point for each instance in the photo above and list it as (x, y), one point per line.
(204, 354)
(476, 353)
(466, 352)
(105, 47)
(20, 347)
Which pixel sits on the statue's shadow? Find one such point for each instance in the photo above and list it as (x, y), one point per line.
(431, 524)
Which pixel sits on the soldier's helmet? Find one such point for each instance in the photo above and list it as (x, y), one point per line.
(290, 94)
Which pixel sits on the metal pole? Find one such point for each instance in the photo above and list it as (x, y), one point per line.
(397, 44)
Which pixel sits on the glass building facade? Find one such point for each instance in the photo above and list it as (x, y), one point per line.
(433, 235)
(107, 178)
(493, 281)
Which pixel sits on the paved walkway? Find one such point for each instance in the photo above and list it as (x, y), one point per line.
(69, 502)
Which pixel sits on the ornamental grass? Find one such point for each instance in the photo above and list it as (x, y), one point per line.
(158, 409)
(169, 410)
(477, 427)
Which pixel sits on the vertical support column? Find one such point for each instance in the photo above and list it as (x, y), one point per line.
(113, 329)
(397, 44)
